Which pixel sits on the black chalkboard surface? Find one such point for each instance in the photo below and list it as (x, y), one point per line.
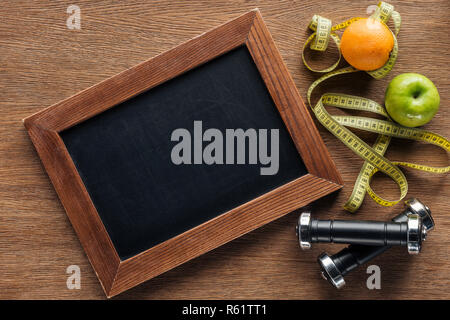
(123, 155)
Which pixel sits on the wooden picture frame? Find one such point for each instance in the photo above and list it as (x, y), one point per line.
(117, 275)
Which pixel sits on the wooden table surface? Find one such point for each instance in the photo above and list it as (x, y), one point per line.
(42, 62)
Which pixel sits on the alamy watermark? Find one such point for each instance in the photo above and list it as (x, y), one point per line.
(221, 146)
(74, 279)
(74, 19)
(374, 280)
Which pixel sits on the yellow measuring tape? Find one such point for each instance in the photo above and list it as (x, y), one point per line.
(373, 156)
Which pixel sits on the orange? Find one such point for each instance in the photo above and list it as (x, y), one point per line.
(366, 44)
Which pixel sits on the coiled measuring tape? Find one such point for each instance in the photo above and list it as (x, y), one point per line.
(374, 158)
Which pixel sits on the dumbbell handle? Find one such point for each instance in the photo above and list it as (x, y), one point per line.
(355, 254)
(371, 233)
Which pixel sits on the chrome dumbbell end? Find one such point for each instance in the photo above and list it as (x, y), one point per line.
(417, 230)
(416, 233)
(330, 271)
(414, 206)
(303, 230)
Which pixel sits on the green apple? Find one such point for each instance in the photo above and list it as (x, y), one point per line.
(411, 99)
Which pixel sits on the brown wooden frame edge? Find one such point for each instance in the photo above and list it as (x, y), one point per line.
(117, 276)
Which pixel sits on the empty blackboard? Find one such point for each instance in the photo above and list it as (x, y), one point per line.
(137, 209)
(124, 154)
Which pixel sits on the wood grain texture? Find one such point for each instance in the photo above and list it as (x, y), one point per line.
(42, 62)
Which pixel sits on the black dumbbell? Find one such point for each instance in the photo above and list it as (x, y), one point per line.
(372, 233)
(335, 267)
